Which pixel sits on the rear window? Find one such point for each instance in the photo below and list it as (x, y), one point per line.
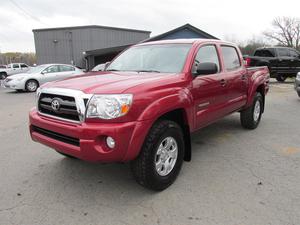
(231, 58)
(263, 53)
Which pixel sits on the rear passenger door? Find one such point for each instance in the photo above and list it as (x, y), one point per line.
(236, 79)
(24, 68)
(284, 65)
(209, 91)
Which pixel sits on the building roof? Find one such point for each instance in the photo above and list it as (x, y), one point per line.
(91, 26)
(104, 51)
(186, 26)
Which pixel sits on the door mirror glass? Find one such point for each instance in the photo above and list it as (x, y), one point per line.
(206, 68)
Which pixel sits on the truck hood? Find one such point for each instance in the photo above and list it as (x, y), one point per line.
(108, 82)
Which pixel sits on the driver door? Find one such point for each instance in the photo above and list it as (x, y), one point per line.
(209, 91)
(49, 74)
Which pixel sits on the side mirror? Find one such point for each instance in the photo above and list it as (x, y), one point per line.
(206, 69)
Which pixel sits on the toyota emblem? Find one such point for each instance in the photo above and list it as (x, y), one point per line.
(55, 105)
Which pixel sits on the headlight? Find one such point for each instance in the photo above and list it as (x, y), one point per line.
(109, 106)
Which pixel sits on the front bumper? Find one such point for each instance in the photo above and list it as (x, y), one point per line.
(14, 84)
(91, 145)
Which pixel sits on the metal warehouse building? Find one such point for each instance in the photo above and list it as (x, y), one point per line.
(87, 46)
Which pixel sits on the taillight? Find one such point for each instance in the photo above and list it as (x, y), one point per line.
(248, 61)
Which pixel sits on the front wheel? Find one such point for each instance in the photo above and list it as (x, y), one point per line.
(161, 156)
(31, 85)
(251, 116)
(280, 78)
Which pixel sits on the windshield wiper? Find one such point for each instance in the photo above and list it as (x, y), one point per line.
(148, 71)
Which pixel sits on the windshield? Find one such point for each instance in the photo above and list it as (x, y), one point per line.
(165, 58)
(37, 69)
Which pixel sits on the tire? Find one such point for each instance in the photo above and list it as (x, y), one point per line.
(3, 76)
(251, 116)
(66, 155)
(149, 168)
(31, 85)
(280, 78)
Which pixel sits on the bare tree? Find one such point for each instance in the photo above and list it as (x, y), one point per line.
(286, 32)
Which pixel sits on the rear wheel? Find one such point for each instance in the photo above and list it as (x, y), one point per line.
(161, 156)
(3, 75)
(251, 116)
(280, 78)
(31, 85)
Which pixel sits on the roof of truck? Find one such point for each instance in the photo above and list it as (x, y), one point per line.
(185, 41)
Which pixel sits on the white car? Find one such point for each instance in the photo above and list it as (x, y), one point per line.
(99, 67)
(39, 75)
(13, 68)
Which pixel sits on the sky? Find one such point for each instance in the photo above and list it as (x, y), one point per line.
(229, 20)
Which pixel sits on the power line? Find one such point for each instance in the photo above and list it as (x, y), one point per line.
(27, 13)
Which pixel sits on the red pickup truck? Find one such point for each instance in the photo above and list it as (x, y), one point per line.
(143, 108)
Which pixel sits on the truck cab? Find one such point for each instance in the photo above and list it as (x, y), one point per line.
(144, 106)
(13, 68)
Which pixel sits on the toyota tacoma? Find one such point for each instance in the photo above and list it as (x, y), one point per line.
(144, 106)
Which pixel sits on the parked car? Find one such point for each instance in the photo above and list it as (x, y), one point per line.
(143, 108)
(39, 75)
(297, 84)
(13, 68)
(282, 62)
(99, 67)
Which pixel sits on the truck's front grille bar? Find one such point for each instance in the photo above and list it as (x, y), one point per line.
(67, 108)
(57, 136)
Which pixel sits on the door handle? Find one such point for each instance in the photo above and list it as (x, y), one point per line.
(223, 82)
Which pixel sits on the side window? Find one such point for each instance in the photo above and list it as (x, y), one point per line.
(283, 52)
(231, 58)
(64, 68)
(264, 53)
(24, 66)
(16, 66)
(51, 69)
(206, 53)
(294, 54)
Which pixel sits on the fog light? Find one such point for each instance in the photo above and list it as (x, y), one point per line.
(110, 142)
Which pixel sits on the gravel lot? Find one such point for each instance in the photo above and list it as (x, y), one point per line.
(236, 176)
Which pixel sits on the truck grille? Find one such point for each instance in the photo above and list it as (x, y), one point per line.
(59, 106)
